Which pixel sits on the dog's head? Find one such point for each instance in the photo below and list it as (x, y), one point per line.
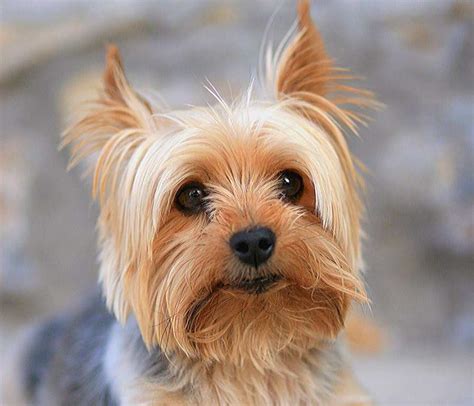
(230, 231)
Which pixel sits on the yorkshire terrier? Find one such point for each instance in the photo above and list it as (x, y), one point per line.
(229, 241)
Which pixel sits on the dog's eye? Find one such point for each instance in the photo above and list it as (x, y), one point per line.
(291, 185)
(190, 198)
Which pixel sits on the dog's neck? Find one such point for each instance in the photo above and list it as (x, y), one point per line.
(309, 377)
(151, 377)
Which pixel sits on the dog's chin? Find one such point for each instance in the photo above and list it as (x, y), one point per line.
(259, 318)
(257, 285)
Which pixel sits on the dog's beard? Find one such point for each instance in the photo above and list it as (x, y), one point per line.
(206, 307)
(231, 325)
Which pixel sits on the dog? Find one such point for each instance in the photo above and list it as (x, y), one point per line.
(229, 240)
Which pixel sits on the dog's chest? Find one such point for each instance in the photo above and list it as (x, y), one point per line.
(138, 376)
(290, 382)
(296, 381)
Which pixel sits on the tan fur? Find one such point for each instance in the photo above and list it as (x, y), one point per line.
(363, 335)
(175, 272)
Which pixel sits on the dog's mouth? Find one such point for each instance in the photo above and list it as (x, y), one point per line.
(254, 286)
(257, 285)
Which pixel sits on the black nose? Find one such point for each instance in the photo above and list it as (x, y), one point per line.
(255, 246)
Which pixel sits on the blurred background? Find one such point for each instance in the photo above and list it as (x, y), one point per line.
(418, 56)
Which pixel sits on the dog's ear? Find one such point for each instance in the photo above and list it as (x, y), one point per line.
(304, 66)
(304, 76)
(114, 76)
(111, 136)
(116, 86)
(305, 72)
(112, 126)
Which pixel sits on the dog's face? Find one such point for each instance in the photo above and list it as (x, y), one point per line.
(233, 231)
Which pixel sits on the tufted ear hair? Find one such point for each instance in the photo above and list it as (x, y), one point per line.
(112, 126)
(114, 76)
(116, 85)
(305, 72)
(112, 134)
(304, 65)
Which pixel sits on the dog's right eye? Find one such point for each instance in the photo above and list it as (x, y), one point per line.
(190, 198)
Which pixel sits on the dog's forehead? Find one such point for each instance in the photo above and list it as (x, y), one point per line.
(247, 141)
(241, 156)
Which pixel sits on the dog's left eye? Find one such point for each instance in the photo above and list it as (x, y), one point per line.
(190, 198)
(291, 185)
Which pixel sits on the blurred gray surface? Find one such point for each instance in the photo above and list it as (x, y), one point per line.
(418, 56)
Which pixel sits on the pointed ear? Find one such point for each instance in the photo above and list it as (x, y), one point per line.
(111, 135)
(119, 92)
(116, 85)
(305, 72)
(114, 76)
(113, 125)
(304, 65)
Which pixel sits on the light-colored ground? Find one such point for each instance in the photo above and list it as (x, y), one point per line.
(417, 56)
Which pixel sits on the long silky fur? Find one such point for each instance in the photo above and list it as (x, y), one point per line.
(175, 272)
